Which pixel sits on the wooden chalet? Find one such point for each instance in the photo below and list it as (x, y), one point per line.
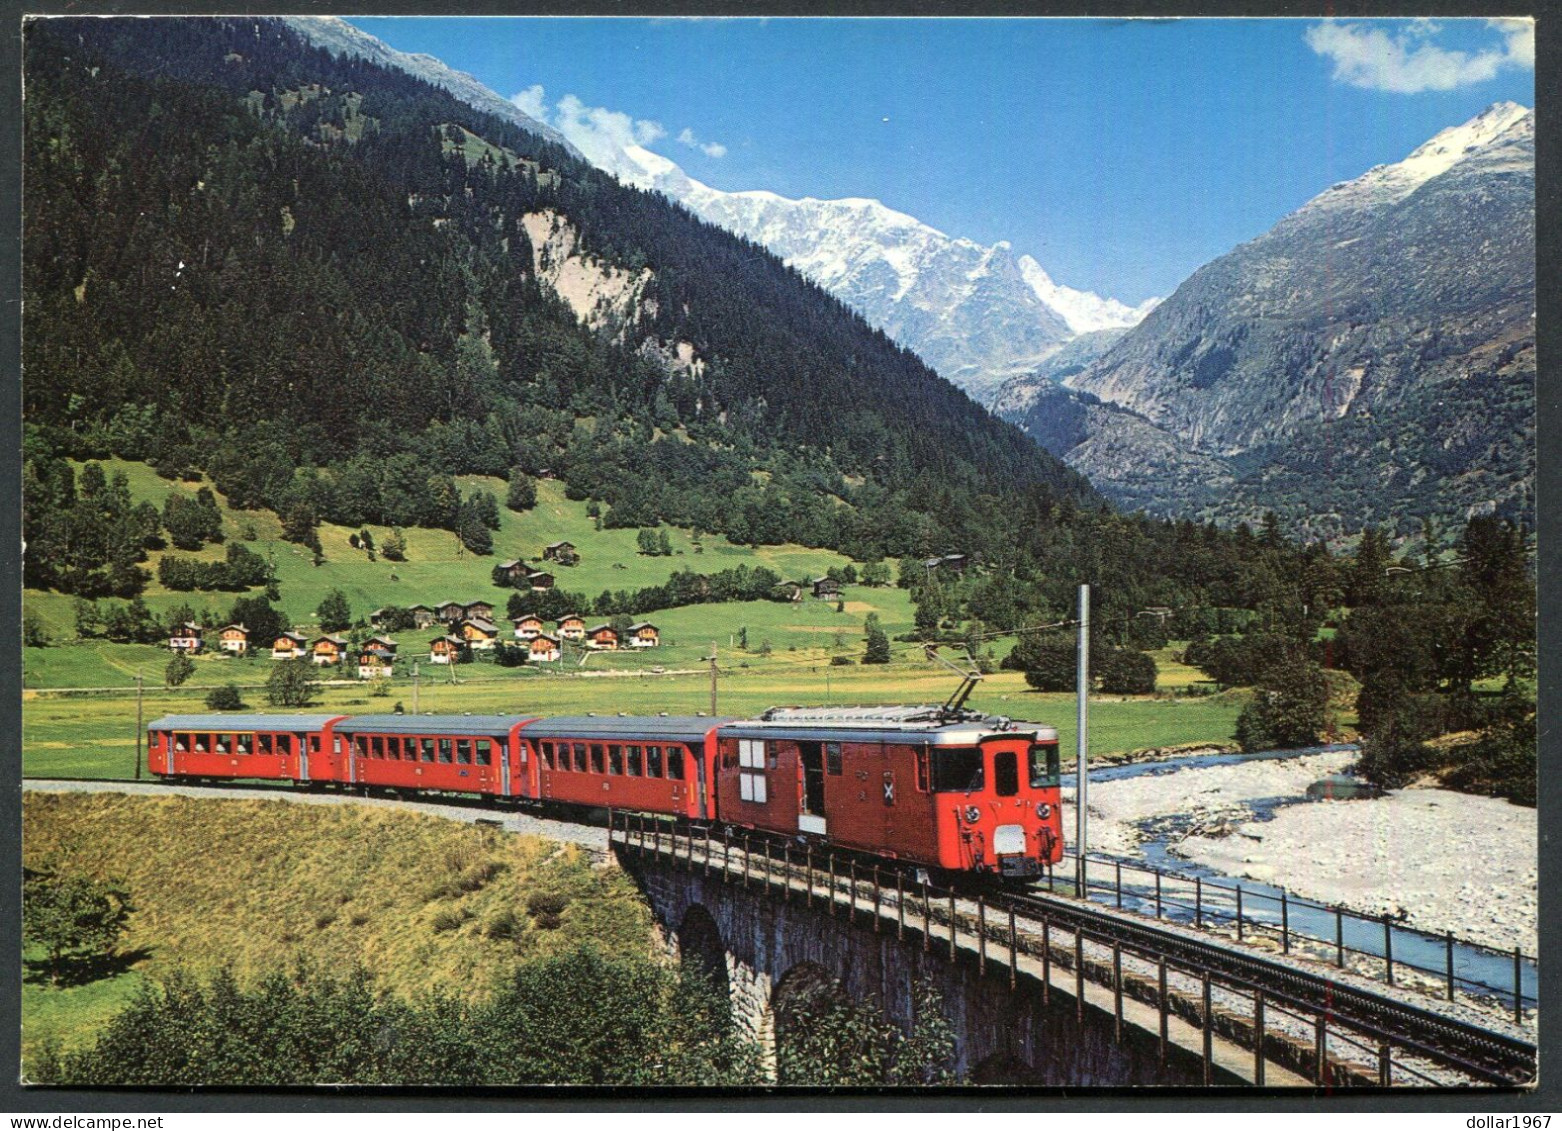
(826, 588)
(572, 627)
(422, 615)
(377, 617)
(187, 638)
(446, 649)
(954, 563)
(539, 580)
(513, 572)
(603, 637)
(528, 627)
(481, 610)
(233, 639)
(289, 646)
(450, 612)
(544, 649)
(561, 552)
(376, 660)
(644, 635)
(478, 632)
(329, 649)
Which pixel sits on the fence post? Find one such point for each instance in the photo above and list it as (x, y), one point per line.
(832, 885)
(746, 861)
(1119, 867)
(927, 918)
(1165, 1005)
(1239, 913)
(1117, 993)
(1209, 1034)
(1449, 939)
(1014, 951)
(951, 924)
(851, 894)
(1157, 893)
(1198, 902)
(877, 898)
(1285, 924)
(726, 856)
(1321, 1051)
(900, 905)
(1339, 937)
(1388, 948)
(1079, 974)
(1046, 961)
(1258, 1037)
(1518, 987)
(1385, 1069)
(981, 935)
(707, 851)
(808, 872)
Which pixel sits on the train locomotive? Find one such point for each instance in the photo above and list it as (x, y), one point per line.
(954, 790)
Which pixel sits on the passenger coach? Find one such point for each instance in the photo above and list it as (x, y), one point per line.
(658, 763)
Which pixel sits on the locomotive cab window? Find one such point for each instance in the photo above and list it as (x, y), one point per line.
(957, 770)
(1044, 767)
(1006, 773)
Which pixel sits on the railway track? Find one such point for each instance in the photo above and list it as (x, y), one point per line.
(1485, 1054)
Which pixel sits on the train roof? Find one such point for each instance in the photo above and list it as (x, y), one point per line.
(675, 728)
(431, 724)
(928, 724)
(245, 722)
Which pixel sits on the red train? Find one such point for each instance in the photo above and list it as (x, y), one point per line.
(953, 790)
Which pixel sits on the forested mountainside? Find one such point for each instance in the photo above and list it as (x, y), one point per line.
(281, 258)
(1369, 360)
(332, 287)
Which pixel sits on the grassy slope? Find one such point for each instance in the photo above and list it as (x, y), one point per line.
(274, 882)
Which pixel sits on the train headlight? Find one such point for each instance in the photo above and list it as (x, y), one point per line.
(1043, 810)
(972, 814)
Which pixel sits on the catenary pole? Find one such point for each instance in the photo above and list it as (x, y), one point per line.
(1082, 685)
(713, 679)
(139, 681)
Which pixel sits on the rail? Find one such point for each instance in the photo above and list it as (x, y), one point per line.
(1298, 1025)
(1362, 943)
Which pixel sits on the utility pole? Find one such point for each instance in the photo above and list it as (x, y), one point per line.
(713, 679)
(1082, 678)
(139, 679)
(414, 687)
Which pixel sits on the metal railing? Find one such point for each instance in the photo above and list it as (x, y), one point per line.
(1363, 943)
(999, 931)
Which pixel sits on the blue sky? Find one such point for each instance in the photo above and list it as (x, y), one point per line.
(1121, 154)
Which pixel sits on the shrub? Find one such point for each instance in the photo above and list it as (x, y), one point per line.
(224, 698)
(179, 669)
(1125, 672)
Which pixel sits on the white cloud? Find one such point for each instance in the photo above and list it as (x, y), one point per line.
(709, 148)
(1404, 60)
(532, 103)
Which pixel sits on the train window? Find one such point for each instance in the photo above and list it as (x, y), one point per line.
(224, 743)
(547, 753)
(444, 750)
(751, 787)
(314, 744)
(580, 757)
(1006, 773)
(598, 759)
(485, 752)
(181, 744)
(393, 748)
(203, 744)
(244, 743)
(464, 751)
(957, 771)
(675, 763)
(832, 758)
(284, 744)
(615, 758)
(751, 754)
(1044, 767)
(632, 761)
(263, 741)
(653, 761)
(361, 745)
(426, 749)
(377, 747)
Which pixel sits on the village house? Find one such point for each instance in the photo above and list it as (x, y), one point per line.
(644, 635)
(955, 563)
(827, 588)
(422, 615)
(789, 591)
(512, 572)
(450, 612)
(539, 580)
(289, 646)
(561, 552)
(572, 627)
(528, 627)
(544, 649)
(377, 658)
(329, 649)
(446, 649)
(603, 637)
(479, 633)
(377, 617)
(187, 638)
(233, 639)
(479, 610)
